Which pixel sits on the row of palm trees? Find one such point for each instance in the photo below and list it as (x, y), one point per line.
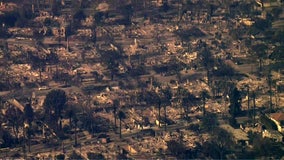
(162, 99)
(120, 114)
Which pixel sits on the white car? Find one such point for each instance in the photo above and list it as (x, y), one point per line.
(43, 88)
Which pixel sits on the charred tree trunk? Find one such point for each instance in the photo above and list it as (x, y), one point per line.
(248, 101)
(165, 109)
(120, 128)
(159, 115)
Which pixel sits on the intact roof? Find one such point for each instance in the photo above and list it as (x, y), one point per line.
(277, 116)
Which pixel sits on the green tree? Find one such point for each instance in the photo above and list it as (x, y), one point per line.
(219, 144)
(277, 53)
(235, 102)
(28, 113)
(53, 105)
(111, 60)
(177, 149)
(60, 157)
(121, 116)
(264, 147)
(209, 150)
(92, 155)
(79, 16)
(223, 141)
(9, 18)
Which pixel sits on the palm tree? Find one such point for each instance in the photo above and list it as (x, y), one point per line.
(159, 110)
(54, 104)
(75, 122)
(28, 113)
(181, 93)
(167, 97)
(187, 100)
(121, 115)
(253, 111)
(152, 98)
(204, 95)
(115, 106)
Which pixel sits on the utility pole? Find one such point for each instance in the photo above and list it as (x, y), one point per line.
(253, 97)
(270, 91)
(248, 101)
(165, 111)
